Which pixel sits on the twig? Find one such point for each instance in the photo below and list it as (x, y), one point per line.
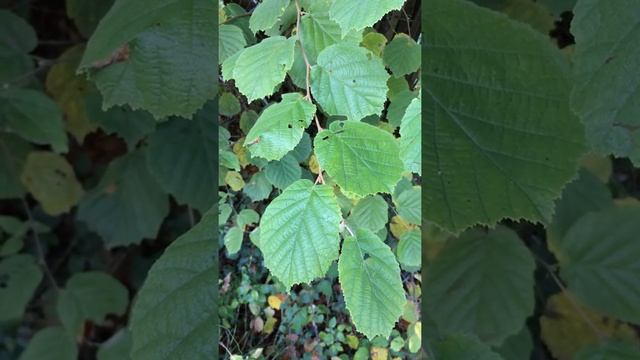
(307, 96)
(39, 250)
(348, 228)
(406, 16)
(224, 347)
(566, 292)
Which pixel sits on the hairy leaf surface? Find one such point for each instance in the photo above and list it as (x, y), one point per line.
(370, 281)
(465, 277)
(349, 81)
(128, 205)
(175, 314)
(260, 68)
(182, 156)
(355, 15)
(361, 158)
(299, 233)
(599, 260)
(503, 140)
(280, 127)
(606, 94)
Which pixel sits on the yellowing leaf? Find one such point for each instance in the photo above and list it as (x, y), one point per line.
(274, 302)
(234, 180)
(353, 341)
(269, 325)
(400, 226)
(314, 167)
(50, 179)
(69, 90)
(566, 330)
(241, 153)
(378, 353)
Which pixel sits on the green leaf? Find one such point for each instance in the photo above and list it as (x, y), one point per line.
(247, 217)
(598, 259)
(318, 32)
(398, 104)
(17, 39)
(410, 249)
(238, 16)
(315, 6)
(519, 346)
(371, 284)
(299, 233)
(224, 213)
(371, 212)
(130, 125)
(233, 240)
(409, 204)
(611, 350)
(559, 6)
(411, 137)
(34, 116)
(463, 347)
(229, 65)
(482, 265)
(605, 95)
(165, 69)
(182, 157)
(17, 34)
(19, 277)
(231, 40)
(402, 55)
(258, 188)
(228, 104)
(52, 343)
(531, 12)
(228, 159)
(128, 205)
(247, 120)
(374, 42)
(298, 71)
(280, 127)
(260, 68)
(87, 14)
(51, 180)
(234, 180)
(90, 296)
(117, 347)
(15, 231)
(175, 313)
(396, 86)
(267, 14)
(349, 81)
(123, 22)
(492, 153)
(361, 158)
(302, 151)
(355, 15)
(284, 172)
(583, 195)
(13, 155)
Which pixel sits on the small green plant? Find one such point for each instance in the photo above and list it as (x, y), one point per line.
(329, 88)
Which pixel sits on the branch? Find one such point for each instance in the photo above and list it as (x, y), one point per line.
(307, 96)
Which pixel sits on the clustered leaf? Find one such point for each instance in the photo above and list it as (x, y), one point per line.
(299, 232)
